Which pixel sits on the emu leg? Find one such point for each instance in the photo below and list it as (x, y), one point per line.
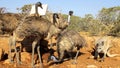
(16, 52)
(33, 47)
(38, 50)
(10, 48)
(75, 61)
(60, 56)
(33, 50)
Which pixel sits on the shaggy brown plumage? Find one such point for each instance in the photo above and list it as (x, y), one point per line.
(37, 27)
(67, 41)
(9, 22)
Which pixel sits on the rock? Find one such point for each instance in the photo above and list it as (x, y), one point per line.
(1, 54)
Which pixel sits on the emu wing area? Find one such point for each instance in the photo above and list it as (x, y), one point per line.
(33, 26)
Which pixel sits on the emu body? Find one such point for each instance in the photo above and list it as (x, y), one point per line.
(36, 26)
(67, 41)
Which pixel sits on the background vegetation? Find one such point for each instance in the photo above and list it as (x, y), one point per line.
(107, 22)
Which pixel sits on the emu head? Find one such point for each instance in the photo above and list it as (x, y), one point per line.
(55, 18)
(99, 46)
(39, 4)
(59, 22)
(70, 13)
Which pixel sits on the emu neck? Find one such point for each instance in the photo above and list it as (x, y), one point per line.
(69, 19)
(54, 19)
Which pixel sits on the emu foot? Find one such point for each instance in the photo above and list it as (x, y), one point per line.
(19, 62)
(74, 62)
(11, 61)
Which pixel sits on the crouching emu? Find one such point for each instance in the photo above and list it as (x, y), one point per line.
(102, 45)
(37, 27)
(67, 41)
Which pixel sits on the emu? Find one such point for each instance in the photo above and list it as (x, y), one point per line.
(36, 26)
(11, 23)
(67, 41)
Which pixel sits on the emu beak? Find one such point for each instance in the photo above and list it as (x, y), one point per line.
(41, 7)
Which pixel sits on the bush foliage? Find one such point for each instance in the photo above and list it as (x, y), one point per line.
(107, 22)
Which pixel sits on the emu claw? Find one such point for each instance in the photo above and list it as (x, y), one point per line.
(74, 62)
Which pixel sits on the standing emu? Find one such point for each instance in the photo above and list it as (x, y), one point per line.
(37, 27)
(67, 41)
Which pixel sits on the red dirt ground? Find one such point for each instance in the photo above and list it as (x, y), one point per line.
(82, 61)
